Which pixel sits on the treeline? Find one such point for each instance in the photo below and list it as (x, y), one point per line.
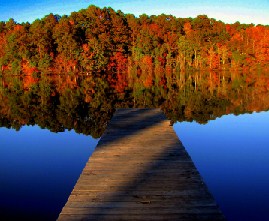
(100, 40)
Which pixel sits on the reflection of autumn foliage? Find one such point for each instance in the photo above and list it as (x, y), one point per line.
(86, 103)
(99, 59)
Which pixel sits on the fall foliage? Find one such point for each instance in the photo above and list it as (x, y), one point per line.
(71, 72)
(100, 39)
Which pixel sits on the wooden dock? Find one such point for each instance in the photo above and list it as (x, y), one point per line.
(140, 171)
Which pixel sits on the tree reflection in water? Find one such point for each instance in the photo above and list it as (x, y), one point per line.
(86, 103)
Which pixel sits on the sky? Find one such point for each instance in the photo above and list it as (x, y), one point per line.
(244, 11)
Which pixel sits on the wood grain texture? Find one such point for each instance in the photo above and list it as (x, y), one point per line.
(140, 171)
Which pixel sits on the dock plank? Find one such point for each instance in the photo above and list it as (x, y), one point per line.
(140, 171)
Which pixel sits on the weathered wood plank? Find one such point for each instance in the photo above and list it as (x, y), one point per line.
(140, 171)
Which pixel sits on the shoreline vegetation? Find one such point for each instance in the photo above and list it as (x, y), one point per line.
(71, 72)
(101, 40)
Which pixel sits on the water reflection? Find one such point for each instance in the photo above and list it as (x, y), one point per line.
(86, 103)
(79, 104)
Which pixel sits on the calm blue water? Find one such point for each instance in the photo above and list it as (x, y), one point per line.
(232, 155)
(38, 170)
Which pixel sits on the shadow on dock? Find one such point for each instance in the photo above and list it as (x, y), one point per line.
(140, 171)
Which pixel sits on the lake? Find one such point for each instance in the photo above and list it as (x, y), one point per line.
(232, 153)
(38, 169)
(50, 127)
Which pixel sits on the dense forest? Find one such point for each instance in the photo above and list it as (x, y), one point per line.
(104, 41)
(71, 72)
